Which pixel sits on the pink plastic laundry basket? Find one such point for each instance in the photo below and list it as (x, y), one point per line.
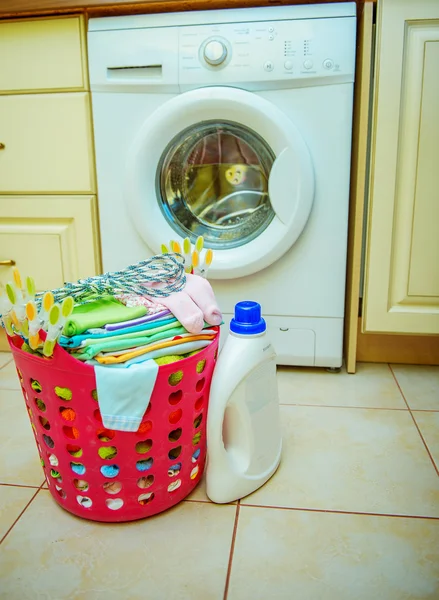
(107, 475)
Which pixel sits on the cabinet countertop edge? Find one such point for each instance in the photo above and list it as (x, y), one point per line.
(12, 9)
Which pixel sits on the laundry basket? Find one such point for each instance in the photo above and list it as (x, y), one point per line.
(107, 475)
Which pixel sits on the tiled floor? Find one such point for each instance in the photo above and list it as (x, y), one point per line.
(351, 514)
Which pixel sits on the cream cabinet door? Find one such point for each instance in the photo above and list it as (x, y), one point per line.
(46, 144)
(401, 292)
(52, 238)
(42, 54)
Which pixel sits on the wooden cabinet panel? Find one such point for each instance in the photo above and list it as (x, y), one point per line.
(424, 257)
(402, 264)
(43, 54)
(47, 144)
(53, 239)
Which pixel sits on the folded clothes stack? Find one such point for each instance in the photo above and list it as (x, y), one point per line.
(109, 332)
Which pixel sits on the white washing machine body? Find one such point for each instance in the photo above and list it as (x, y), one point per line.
(233, 124)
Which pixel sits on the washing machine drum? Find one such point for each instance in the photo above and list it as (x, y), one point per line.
(225, 164)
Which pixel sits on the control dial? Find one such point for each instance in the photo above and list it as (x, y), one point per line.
(215, 52)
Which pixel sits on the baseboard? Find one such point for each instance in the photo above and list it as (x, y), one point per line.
(405, 349)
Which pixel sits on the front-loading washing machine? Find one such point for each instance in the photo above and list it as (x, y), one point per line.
(235, 125)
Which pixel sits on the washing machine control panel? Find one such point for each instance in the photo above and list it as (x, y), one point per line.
(292, 51)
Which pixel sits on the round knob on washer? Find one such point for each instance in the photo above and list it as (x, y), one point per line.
(215, 52)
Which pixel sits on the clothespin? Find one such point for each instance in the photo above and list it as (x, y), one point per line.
(5, 310)
(34, 325)
(57, 317)
(207, 261)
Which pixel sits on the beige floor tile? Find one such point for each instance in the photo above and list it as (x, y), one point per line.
(373, 386)
(12, 502)
(358, 460)
(420, 385)
(284, 555)
(9, 378)
(181, 554)
(19, 460)
(428, 423)
(5, 357)
(199, 492)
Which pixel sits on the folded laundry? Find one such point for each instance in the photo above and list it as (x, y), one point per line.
(98, 313)
(109, 359)
(186, 336)
(94, 347)
(162, 356)
(146, 319)
(91, 335)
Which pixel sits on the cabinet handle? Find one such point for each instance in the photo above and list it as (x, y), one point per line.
(2, 146)
(7, 263)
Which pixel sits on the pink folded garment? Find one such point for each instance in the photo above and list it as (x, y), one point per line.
(194, 305)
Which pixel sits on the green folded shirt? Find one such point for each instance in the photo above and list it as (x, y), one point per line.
(99, 313)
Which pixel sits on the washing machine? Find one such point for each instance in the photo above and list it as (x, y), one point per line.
(235, 125)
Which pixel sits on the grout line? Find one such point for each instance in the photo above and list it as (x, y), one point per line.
(20, 485)
(20, 515)
(343, 406)
(414, 421)
(340, 512)
(8, 361)
(232, 550)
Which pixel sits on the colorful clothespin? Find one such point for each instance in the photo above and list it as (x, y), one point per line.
(29, 292)
(187, 255)
(34, 325)
(175, 247)
(53, 330)
(199, 244)
(57, 317)
(195, 262)
(5, 310)
(46, 304)
(17, 312)
(207, 261)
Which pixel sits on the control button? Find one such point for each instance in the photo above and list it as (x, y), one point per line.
(271, 37)
(215, 52)
(288, 65)
(328, 63)
(268, 66)
(270, 29)
(308, 64)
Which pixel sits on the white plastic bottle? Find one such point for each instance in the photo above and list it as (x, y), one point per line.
(243, 430)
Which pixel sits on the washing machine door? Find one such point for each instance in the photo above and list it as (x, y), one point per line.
(226, 164)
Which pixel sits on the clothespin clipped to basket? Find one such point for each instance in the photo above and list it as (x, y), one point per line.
(57, 318)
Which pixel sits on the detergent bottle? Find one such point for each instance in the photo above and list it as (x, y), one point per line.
(243, 430)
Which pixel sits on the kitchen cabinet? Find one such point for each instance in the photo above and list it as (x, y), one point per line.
(401, 293)
(51, 238)
(394, 315)
(48, 209)
(42, 54)
(47, 143)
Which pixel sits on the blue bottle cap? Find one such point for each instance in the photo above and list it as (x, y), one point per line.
(248, 320)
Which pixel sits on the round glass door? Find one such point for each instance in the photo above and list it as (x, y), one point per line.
(212, 180)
